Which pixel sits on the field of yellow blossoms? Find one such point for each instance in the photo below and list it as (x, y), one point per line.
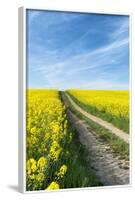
(53, 155)
(111, 105)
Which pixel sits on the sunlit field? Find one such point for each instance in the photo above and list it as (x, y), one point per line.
(110, 105)
(54, 154)
(77, 135)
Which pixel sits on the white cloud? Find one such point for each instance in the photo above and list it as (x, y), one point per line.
(122, 29)
(60, 69)
(60, 72)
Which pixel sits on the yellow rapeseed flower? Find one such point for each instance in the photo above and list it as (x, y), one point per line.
(41, 164)
(53, 186)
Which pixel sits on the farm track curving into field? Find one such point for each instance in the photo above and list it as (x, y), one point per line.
(109, 169)
(119, 133)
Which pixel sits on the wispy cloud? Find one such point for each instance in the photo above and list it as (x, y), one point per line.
(122, 30)
(86, 62)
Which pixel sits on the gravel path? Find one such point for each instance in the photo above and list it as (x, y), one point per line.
(121, 134)
(109, 168)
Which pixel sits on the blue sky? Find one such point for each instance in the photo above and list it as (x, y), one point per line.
(77, 50)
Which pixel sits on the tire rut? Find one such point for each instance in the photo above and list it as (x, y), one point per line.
(119, 133)
(109, 168)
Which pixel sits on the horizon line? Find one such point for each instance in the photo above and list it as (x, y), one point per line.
(31, 88)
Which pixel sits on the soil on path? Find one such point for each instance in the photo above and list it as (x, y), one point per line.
(121, 134)
(109, 169)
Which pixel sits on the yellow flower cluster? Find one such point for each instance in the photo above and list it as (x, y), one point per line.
(53, 186)
(35, 172)
(61, 172)
(115, 102)
(58, 177)
(46, 133)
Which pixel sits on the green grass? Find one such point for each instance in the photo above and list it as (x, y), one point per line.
(118, 146)
(79, 173)
(120, 122)
(71, 154)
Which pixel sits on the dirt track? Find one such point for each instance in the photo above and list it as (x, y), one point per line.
(109, 169)
(121, 134)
